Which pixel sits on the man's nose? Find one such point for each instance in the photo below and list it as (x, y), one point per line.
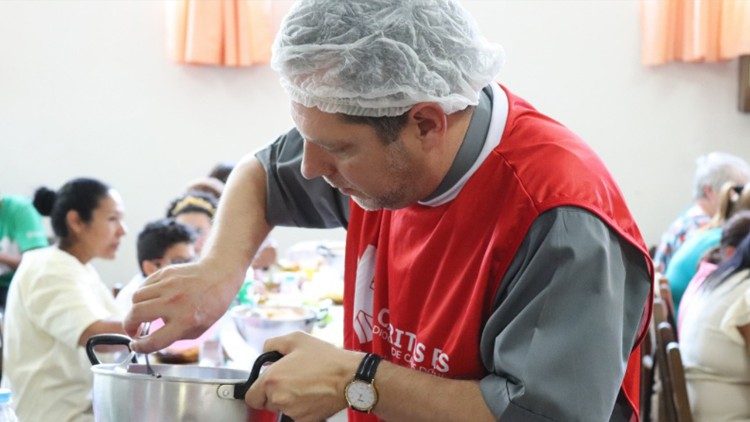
(315, 162)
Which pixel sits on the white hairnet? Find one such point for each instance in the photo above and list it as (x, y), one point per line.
(380, 57)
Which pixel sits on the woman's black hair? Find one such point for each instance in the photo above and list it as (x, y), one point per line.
(44, 199)
(735, 229)
(221, 171)
(738, 262)
(81, 195)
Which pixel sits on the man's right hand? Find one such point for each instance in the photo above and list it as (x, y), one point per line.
(189, 298)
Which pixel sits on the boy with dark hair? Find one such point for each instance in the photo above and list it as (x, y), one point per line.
(161, 243)
(164, 242)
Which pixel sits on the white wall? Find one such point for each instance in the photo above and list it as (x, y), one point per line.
(86, 89)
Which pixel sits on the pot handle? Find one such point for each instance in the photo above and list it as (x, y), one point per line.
(107, 340)
(241, 389)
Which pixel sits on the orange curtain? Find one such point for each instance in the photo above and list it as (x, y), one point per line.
(694, 30)
(223, 32)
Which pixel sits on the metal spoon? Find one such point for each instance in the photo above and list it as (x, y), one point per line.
(125, 364)
(144, 331)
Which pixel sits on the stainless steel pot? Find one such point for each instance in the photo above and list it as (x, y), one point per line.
(181, 393)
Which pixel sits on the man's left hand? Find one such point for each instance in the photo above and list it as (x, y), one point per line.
(308, 383)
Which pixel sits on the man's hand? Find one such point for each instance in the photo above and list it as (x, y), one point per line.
(308, 383)
(189, 298)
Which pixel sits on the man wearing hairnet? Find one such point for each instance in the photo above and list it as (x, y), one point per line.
(493, 270)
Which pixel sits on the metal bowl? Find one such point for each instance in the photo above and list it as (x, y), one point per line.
(258, 323)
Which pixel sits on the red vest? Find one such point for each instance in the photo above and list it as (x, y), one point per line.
(420, 281)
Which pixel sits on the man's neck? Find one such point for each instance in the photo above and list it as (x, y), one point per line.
(458, 126)
(443, 161)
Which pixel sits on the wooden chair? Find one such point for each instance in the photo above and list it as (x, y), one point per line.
(665, 293)
(647, 375)
(665, 403)
(660, 315)
(659, 278)
(674, 405)
(679, 386)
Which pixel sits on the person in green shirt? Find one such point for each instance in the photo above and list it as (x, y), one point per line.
(21, 230)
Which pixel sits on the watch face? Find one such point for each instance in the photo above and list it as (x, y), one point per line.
(361, 395)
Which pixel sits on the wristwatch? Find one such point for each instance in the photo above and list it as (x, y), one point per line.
(361, 393)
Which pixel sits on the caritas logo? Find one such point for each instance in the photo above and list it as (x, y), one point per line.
(406, 347)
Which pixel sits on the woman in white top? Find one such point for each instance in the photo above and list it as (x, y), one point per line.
(715, 342)
(57, 301)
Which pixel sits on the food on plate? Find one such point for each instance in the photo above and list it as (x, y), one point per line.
(178, 356)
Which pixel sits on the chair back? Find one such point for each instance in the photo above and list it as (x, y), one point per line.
(674, 405)
(679, 386)
(665, 293)
(647, 374)
(659, 322)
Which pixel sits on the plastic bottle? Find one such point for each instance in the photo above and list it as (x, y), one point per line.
(7, 414)
(245, 294)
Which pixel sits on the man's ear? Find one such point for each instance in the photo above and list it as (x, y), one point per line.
(74, 221)
(430, 119)
(149, 267)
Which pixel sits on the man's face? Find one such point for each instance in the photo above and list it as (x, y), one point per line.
(351, 158)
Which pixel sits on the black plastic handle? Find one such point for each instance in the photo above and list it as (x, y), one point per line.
(106, 340)
(241, 389)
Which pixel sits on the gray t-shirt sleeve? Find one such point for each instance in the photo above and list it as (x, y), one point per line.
(293, 200)
(564, 323)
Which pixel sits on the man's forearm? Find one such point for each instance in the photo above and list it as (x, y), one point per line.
(406, 394)
(240, 224)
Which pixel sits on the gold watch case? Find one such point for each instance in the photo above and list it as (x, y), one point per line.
(361, 396)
